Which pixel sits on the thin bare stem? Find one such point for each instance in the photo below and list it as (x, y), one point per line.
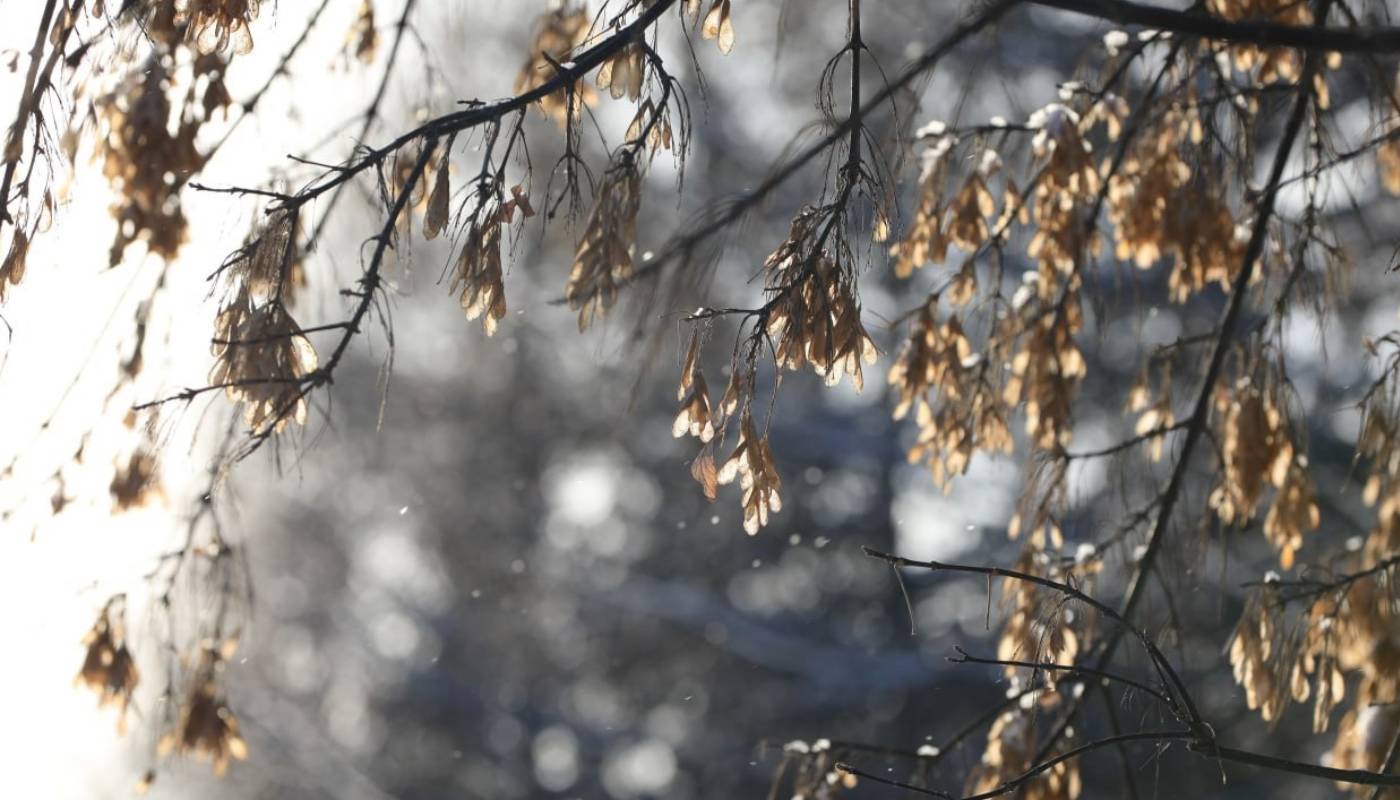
(1392, 756)
(1019, 781)
(27, 99)
(965, 657)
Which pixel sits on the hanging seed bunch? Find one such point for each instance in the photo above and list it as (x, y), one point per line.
(207, 728)
(262, 360)
(216, 25)
(108, 668)
(477, 277)
(557, 33)
(603, 258)
(814, 311)
(138, 151)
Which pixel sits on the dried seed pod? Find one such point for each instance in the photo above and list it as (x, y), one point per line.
(719, 26)
(214, 25)
(436, 217)
(207, 728)
(477, 277)
(603, 258)
(12, 268)
(262, 360)
(557, 32)
(108, 668)
(752, 463)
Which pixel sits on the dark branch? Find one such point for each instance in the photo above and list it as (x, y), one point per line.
(965, 657)
(1017, 782)
(1317, 39)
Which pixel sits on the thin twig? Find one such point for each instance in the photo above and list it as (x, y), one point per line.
(1117, 730)
(1316, 40)
(1127, 444)
(1019, 781)
(27, 99)
(1391, 757)
(1158, 659)
(371, 113)
(965, 657)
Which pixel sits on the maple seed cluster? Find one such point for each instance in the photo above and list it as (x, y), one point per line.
(108, 668)
(139, 152)
(814, 313)
(262, 360)
(557, 33)
(477, 278)
(603, 258)
(1258, 452)
(214, 25)
(207, 729)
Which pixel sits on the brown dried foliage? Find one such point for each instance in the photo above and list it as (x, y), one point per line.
(695, 417)
(362, 40)
(718, 24)
(1010, 753)
(136, 481)
(1068, 184)
(1273, 63)
(814, 314)
(262, 360)
(108, 668)
(557, 33)
(207, 728)
(214, 25)
(752, 463)
(12, 268)
(1258, 452)
(603, 258)
(1161, 207)
(139, 152)
(925, 241)
(957, 409)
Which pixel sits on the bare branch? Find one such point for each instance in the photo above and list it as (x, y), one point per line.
(1317, 40)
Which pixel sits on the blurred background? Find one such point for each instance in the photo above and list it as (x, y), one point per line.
(484, 571)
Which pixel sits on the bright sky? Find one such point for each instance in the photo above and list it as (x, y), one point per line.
(69, 317)
(51, 587)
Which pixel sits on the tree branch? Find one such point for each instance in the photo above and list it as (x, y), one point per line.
(1159, 660)
(1359, 777)
(1316, 39)
(684, 245)
(965, 657)
(1019, 781)
(1391, 756)
(26, 100)
(459, 121)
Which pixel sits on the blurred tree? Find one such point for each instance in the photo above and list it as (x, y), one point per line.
(512, 588)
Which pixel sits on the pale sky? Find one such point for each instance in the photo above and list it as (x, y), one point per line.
(69, 317)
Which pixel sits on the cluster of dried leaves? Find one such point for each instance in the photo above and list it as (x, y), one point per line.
(1302, 640)
(199, 725)
(207, 729)
(975, 359)
(146, 161)
(108, 668)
